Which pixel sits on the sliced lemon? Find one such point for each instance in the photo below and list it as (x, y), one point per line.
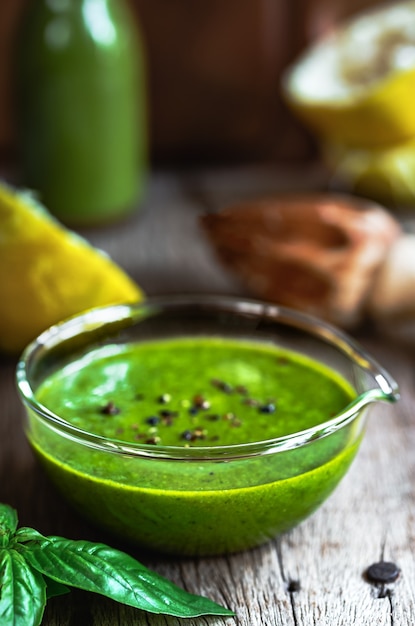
(355, 87)
(387, 175)
(48, 273)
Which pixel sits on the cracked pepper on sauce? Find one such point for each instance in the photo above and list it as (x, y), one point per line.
(203, 391)
(194, 392)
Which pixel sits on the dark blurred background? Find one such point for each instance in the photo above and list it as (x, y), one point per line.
(214, 75)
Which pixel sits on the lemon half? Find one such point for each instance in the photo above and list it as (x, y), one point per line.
(48, 273)
(356, 86)
(387, 175)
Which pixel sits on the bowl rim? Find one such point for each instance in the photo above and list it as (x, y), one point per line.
(129, 314)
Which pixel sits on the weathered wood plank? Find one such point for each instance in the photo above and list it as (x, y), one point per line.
(313, 575)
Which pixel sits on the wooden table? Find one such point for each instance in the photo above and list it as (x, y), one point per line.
(312, 575)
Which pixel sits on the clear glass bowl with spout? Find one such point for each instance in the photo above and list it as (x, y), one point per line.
(206, 499)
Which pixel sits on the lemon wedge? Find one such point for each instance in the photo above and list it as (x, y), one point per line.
(354, 87)
(48, 273)
(385, 175)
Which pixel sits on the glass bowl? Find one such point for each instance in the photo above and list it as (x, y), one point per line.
(207, 498)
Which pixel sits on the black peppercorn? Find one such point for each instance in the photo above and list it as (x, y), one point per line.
(164, 398)
(110, 409)
(382, 572)
(153, 420)
(187, 435)
(200, 402)
(267, 408)
(219, 384)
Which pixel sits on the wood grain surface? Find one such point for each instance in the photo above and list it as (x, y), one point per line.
(314, 575)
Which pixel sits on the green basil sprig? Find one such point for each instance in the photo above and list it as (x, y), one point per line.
(34, 568)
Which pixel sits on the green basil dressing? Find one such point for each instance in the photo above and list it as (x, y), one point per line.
(195, 392)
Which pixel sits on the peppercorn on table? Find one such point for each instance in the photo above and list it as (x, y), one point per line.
(352, 561)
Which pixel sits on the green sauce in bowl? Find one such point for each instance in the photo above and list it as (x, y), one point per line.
(195, 405)
(197, 426)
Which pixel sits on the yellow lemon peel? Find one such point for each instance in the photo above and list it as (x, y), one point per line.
(384, 175)
(355, 86)
(47, 272)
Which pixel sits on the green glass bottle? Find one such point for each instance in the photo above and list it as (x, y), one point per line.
(81, 106)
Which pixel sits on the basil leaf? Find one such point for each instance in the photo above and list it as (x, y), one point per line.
(23, 535)
(8, 524)
(53, 588)
(109, 572)
(22, 591)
